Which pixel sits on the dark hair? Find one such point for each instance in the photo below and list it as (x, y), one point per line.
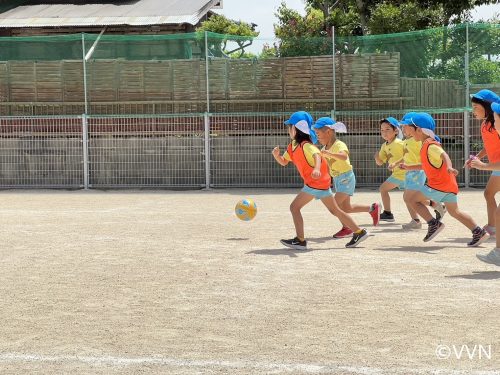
(490, 117)
(300, 136)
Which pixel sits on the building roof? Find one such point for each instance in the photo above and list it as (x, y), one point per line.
(102, 13)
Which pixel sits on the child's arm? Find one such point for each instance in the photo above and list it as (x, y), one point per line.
(478, 164)
(280, 159)
(416, 167)
(449, 165)
(481, 154)
(396, 163)
(378, 160)
(316, 173)
(335, 155)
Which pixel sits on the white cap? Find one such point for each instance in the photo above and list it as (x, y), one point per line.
(303, 126)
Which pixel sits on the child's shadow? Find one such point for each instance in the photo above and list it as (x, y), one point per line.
(413, 249)
(478, 275)
(284, 251)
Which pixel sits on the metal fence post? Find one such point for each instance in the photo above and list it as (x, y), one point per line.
(207, 72)
(85, 145)
(84, 76)
(466, 112)
(334, 74)
(207, 150)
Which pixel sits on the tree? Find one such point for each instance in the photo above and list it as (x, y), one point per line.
(239, 32)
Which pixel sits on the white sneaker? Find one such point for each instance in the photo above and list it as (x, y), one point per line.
(440, 210)
(412, 225)
(492, 231)
(493, 257)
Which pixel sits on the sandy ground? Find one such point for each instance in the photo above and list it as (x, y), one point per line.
(158, 282)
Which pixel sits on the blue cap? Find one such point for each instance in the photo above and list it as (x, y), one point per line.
(323, 121)
(496, 107)
(406, 117)
(486, 96)
(392, 121)
(299, 116)
(422, 120)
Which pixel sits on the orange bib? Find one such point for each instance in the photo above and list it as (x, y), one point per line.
(305, 169)
(437, 178)
(491, 142)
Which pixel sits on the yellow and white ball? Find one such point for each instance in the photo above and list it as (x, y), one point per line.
(246, 209)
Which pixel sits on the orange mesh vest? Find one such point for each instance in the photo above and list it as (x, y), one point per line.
(437, 178)
(305, 169)
(491, 142)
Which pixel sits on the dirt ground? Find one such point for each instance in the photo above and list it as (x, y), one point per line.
(157, 282)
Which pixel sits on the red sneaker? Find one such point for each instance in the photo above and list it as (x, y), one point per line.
(375, 213)
(343, 233)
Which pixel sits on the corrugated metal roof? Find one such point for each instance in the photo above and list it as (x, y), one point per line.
(135, 12)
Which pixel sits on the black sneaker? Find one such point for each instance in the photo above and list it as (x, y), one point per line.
(479, 235)
(434, 228)
(387, 216)
(294, 243)
(357, 238)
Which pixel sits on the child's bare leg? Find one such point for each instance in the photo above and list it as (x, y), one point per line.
(464, 218)
(492, 187)
(497, 221)
(419, 203)
(344, 202)
(384, 189)
(344, 218)
(407, 197)
(300, 201)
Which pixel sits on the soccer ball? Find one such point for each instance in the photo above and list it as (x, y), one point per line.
(246, 209)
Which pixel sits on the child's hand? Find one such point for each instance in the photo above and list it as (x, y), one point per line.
(478, 164)
(316, 173)
(391, 166)
(276, 151)
(403, 166)
(453, 171)
(377, 159)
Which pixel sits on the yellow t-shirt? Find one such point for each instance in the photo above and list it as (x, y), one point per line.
(434, 153)
(411, 150)
(392, 152)
(336, 166)
(309, 151)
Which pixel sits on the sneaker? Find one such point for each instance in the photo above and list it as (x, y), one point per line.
(294, 243)
(479, 235)
(493, 257)
(387, 216)
(375, 213)
(492, 231)
(357, 238)
(412, 225)
(343, 233)
(434, 228)
(439, 210)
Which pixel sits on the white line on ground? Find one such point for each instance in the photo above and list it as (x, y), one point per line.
(12, 358)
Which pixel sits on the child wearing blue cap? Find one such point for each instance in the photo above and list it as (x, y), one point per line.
(390, 151)
(481, 108)
(441, 185)
(336, 154)
(415, 176)
(314, 171)
(493, 257)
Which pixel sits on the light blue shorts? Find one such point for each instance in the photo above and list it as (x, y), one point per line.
(415, 180)
(318, 194)
(439, 196)
(395, 181)
(345, 183)
(495, 173)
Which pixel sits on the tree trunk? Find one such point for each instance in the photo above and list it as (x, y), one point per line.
(363, 15)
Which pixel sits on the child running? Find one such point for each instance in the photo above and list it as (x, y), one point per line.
(441, 186)
(415, 176)
(390, 151)
(481, 108)
(314, 171)
(493, 257)
(336, 154)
